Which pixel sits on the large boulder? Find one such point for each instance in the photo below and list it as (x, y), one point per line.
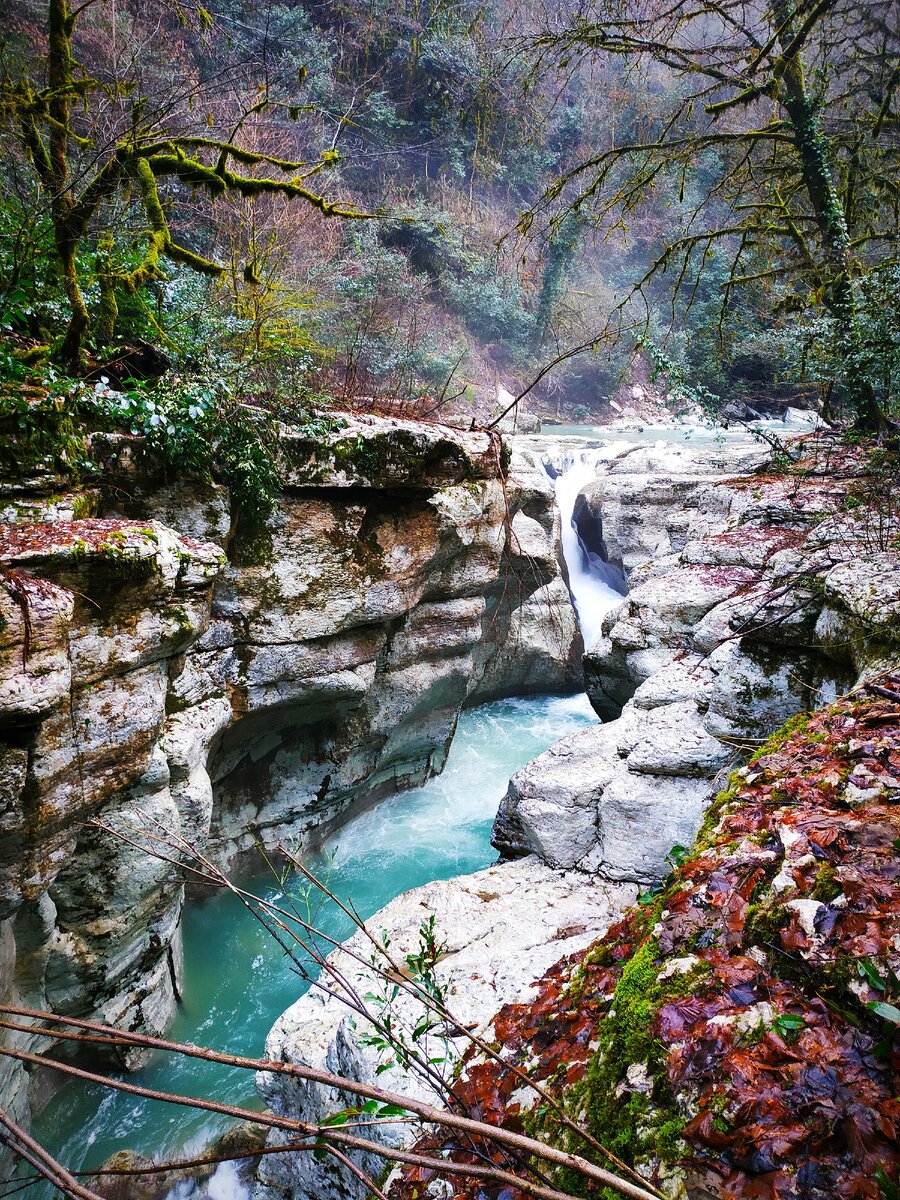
(614, 799)
(769, 601)
(498, 930)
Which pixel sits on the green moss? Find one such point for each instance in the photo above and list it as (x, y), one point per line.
(380, 458)
(762, 923)
(83, 506)
(175, 704)
(400, 457)
(253, 545)
(634, 1125)
(795, 724)
(181, 618)
(826, 887)
(705, 838)
(125, 557)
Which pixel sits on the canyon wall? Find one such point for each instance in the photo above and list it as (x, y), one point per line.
(164, 671)
(752, 597)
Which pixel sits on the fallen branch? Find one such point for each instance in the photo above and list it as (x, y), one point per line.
(529, 1146)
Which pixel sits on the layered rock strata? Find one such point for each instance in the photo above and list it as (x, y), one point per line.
(766, 599)
(232, 688)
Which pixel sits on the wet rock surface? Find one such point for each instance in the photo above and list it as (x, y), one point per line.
(491, 954)
(735, 1035)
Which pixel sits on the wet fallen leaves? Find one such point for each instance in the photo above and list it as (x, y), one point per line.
(784, 1059)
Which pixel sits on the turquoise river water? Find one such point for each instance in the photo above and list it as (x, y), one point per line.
(237, 980)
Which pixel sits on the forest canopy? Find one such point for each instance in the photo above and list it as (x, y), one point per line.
(298, 208)
(797, 102)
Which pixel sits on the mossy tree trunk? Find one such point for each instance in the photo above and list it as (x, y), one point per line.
(60, 86)
(142, 157)
(813, 151)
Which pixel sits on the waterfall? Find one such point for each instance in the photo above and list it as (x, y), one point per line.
(223, 1184)
(595, 586)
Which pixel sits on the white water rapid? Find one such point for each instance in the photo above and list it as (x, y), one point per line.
(223, 1184)
(592, 595)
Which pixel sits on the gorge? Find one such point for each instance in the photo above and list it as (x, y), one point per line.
(261, 692)
(449, 600)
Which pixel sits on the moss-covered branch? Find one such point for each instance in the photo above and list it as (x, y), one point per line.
(42, 119)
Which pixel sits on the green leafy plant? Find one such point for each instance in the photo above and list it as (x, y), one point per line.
(201, 427)
(399, 1043)
(789, 1026)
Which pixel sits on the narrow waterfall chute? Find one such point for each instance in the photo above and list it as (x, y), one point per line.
(596, 586)
(505, 402)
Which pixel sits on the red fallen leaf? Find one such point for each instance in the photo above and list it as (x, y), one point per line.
(793, 938)
(824, 836)
(736, 914)
(672, 1019)
(773, 1186)
(875, 833)
(864, 1138)
(702, 1129)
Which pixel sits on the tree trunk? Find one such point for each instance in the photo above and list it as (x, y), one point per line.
(59, 78)
(71, 349)
(811, 143)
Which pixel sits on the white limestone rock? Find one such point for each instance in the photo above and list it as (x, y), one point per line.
(504, 927)
(673, 741)
(614, 798)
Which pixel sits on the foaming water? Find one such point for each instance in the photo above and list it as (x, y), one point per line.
(453, 813)
(798, 421)
(593, 597)
(238, 981)
(224, 1184)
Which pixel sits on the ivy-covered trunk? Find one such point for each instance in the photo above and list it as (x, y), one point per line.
(61, 87)
(72, 346)
(836, 282)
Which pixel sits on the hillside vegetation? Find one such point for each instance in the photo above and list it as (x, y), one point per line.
(403, 205)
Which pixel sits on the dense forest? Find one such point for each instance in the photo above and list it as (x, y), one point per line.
(404, 204)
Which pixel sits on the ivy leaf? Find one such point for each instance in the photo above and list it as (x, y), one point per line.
(886, 1185)
(788, 1025)
(340, 1118)
(868, 971)
(887, 1012)
(677, 854)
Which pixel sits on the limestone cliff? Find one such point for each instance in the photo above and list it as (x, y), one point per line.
(158, 665)
(752, 597)
(704, 679)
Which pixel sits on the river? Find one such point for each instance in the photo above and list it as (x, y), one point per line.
(237, 980)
